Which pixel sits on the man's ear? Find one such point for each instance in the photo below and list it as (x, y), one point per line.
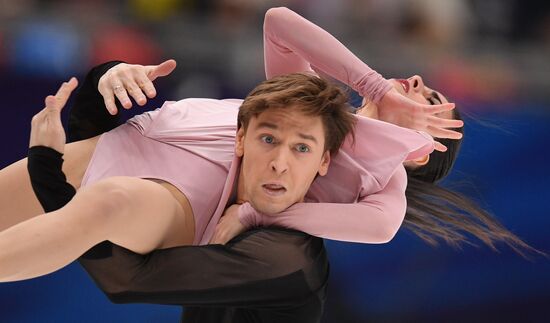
(325, 161)
(239, 142)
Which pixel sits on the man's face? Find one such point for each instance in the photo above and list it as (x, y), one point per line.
(282, 151)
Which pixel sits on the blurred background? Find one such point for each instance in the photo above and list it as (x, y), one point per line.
(491, 57)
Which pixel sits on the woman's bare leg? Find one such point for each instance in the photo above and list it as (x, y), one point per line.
(137, 214)
(17, 200)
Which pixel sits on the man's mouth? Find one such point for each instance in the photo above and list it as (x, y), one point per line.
(274, 189)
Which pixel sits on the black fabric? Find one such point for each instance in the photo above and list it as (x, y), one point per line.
(263, 275)
(88, 116)
(270, 275)
(47, 179)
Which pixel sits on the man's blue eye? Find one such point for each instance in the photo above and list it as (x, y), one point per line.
(303, 148)
(268, 139)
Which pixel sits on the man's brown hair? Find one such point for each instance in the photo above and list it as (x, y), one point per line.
(312, 95)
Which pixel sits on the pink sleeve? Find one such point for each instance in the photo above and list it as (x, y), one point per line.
(380, 148)
(294, 44)
(375, 218)
(143, 121)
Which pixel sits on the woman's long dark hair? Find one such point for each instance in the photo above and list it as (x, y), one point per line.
(436, 212)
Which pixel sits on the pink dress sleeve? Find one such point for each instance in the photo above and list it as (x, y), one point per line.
(294, 44)
(375, 218)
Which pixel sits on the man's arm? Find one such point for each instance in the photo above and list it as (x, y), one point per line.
(258, 269)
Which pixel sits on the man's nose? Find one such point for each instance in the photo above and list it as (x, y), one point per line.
(417, 83)
(279, 162)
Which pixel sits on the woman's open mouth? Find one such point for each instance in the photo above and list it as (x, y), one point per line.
(405, 85)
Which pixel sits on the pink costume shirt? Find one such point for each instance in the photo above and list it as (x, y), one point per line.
(190, 144)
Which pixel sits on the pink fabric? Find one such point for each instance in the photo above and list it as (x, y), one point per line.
(361, 198)
(190, 144)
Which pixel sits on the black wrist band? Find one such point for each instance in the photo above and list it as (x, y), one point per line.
(48, 181)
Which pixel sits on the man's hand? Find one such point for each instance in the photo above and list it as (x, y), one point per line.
(402, 111)
(46, 127)
(228, 227)
(134, 80)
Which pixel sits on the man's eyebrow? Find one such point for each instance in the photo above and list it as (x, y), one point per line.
(274, 127)
(307, 137)
(266, 125)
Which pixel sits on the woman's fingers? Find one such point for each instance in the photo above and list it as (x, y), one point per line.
(145, 84)
(445, 123)
(114, 85)
(217, 238)
(439, 146)
(50, 102)
(162, 69)
(106, 90)
(135, 91)
(117, 86)
(46, 127)
(109, 99)
(433, 109)
(124, 81)
(58, 101)
(443, 133)
(66, 88)
(441, 127)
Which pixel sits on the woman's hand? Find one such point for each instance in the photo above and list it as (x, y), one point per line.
(46, 127)
(228, 227)
(402, 111)
(134, 80)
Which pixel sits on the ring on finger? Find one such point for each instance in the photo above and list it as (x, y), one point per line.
(117, 87)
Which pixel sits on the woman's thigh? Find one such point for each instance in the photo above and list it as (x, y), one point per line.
(17, 200)
(138, 214)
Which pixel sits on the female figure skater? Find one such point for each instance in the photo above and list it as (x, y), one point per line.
(282, 150)
(432, 211)
(391, 181)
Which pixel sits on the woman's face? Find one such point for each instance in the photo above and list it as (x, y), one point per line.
(414, 89)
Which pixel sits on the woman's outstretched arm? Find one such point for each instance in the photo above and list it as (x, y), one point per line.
(375, 218)
(294, 44)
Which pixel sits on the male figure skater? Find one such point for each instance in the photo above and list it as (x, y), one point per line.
(267, 275)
